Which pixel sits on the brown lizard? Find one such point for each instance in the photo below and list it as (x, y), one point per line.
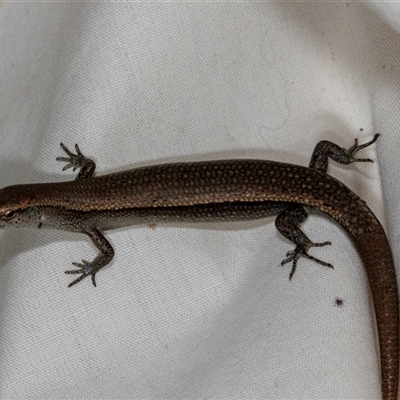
(217, 191)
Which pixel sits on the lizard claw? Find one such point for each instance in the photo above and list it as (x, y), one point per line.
(300, 251)
(74, 161)
(355, 148)
(85, 268)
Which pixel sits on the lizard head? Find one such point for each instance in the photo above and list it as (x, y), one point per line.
(16, 208)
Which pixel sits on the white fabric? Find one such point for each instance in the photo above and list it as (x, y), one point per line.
(189, 311)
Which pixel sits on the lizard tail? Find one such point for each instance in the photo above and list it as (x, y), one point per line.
(375, 252)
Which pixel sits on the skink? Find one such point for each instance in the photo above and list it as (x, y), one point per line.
(216, 191)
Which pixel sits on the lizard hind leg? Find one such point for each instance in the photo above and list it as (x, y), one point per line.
(325, 150)
(288, 224)
(288, 221)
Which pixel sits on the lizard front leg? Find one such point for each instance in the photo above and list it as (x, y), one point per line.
(85, 165)
(87, 268)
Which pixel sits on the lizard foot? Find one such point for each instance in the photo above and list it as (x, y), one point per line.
(85, 269)
(301, 251)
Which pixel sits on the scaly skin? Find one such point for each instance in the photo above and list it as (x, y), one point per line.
(216, 190)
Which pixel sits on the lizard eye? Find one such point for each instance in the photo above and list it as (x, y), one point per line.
(9, 214)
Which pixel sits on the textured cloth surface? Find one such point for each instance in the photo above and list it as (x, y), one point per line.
(194, 311)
